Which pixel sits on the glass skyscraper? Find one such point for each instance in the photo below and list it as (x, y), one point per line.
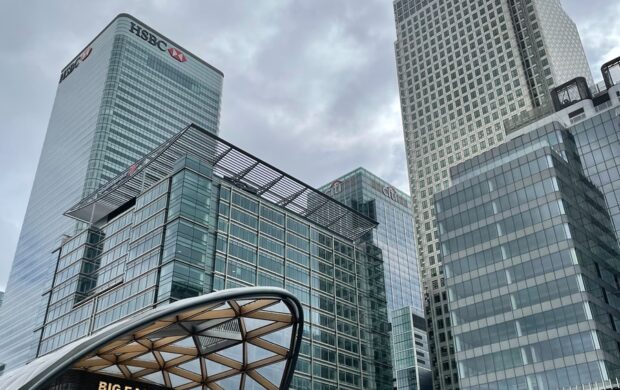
(592, 118)
(585, 121)
(199, 214)
(129, 90)
(532, 267)
(391, 208)
(467, 70)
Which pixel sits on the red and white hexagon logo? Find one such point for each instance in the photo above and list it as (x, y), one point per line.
(177, 54)
(84, 55)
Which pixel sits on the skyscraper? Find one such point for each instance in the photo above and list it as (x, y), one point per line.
(391, 208)
(592, 118)
(199, 214)
(124, 94)
(532, 266)
(466, 71)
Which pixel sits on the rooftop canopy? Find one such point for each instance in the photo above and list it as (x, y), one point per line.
(244, 338)
(232, 163)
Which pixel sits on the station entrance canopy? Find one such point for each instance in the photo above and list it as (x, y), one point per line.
(245, 338)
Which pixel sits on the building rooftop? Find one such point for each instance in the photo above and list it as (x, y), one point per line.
(236, 166)
(573, 102)
(377, 182)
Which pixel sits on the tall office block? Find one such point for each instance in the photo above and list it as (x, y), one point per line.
(592, 118)
(410, 353)
(199, 214)
(124, 94)
(390, 207)
(378, 199)
(466, 70)
(532, 267)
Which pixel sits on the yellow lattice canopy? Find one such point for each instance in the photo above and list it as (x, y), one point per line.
(244, 338)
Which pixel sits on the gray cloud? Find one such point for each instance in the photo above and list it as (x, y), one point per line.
(597, 21)
(310, 86)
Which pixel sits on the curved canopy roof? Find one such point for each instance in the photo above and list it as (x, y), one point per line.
(244, 338)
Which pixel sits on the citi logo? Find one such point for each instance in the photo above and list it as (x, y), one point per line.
(154, 40)
(390, 192)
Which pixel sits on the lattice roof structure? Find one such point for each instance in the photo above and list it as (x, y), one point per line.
(244, 338)
(232, 163)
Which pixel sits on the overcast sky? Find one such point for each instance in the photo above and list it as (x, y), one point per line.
(310, 86)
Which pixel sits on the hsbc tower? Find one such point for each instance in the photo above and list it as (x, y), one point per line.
(116, 100)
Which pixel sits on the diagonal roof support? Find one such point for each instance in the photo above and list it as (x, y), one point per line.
(221, 156)
(244, 172)
(286, 201)
(268, 186)
(315, 209)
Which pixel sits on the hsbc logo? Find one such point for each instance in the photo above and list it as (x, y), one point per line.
(177, 54)
(154, 40)
(84, 55)
(71, 67)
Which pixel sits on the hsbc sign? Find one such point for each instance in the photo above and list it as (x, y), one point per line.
(72, 66)
(154, 40)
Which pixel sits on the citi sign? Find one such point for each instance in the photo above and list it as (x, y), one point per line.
(162, 45)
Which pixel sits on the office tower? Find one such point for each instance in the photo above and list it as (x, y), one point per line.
(410, 355)
(199, 214)
(1, 301)
(467, 69)
(593, 121)
(532, 265)
(391, 208)
(124, 94)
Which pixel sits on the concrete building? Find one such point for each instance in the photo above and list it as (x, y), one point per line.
(391, 208)
(464, 69)
(199, 215)
(128, 90)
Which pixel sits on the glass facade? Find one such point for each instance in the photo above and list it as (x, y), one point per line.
(466, 71)
(598, 141)
(116, 101)
(411, 360)
(594, 123)
(370, 195)
(531, 264)
(194, 232)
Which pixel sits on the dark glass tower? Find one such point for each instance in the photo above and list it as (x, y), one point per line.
(124, 94)
(532, 267)
(373, 196)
